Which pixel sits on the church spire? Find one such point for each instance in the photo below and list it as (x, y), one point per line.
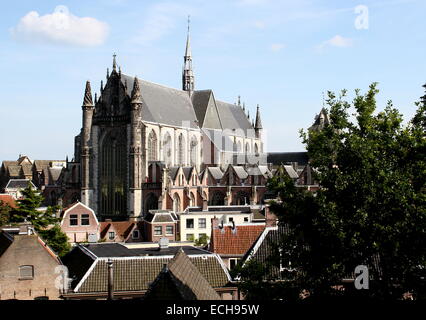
(88, 102)
(187, 73)
(136, 92)
(258, 123)
(114, 63)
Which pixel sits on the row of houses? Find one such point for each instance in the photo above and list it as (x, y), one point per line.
(29, 269)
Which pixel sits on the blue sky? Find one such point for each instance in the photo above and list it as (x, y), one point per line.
(279, 54)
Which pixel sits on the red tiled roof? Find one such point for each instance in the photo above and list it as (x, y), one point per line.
(226, 241)
(122, 228)
(8, 199)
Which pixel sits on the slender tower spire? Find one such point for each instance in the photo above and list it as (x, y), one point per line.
(88, 109)
(114, 63)
(187, 73)
(258, 123)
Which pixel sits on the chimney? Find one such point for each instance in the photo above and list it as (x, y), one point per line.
(163, 243)
(204, 204)
(110, 279)
(215, 223)
(270, 218)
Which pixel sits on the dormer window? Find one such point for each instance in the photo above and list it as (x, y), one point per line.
(135, 234)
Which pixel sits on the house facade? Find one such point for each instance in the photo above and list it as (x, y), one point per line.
(80, 223)
(28, 267)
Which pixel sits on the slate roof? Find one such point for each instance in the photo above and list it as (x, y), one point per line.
(187, 172)
(19, 184)
(14, 170)
(154, 216)
(291, 172)
(215, 172)
(232, 116)
(180, 279)
(54, 174)
(164, 105)
(234, 241)
(263, 248)
(5, 241)
(133, 269)
(200, 101)
(240, 172)
(173, 172)
(259, 171)
(276, 158)
(105, 250)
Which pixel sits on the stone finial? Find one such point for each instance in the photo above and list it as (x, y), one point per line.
(88, 102)
(136, 92)
(114, 62)
(258, 124)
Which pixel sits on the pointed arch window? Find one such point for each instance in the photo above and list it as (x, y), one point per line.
(152, 146)
(181, 150)
(167, 149)
(176, 203)
(194, 151)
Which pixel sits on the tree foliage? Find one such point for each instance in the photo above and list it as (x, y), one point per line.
(45, 222)
(5, 210)
(56, 239)
(371, 206)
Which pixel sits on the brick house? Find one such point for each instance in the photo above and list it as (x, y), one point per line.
(80, 223)
(160, 224)
(232, 241)
(121, 231)
(28, 267)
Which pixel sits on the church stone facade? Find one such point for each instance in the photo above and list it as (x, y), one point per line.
(137, 135)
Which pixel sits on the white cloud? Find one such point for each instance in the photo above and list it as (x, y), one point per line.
(60, 27)
(259, 24)
(336, 41)
(160, 21)
(277, 47)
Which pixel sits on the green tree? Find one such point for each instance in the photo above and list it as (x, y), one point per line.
(371, 207)
(45, 222)
(5, 210)
(202, 240)
(27, 210)
(56, 239)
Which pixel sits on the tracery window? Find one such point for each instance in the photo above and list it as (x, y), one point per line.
(152, 146)
(194, 151)
(181, 150)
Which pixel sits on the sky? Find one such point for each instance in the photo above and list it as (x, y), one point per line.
(281, 55)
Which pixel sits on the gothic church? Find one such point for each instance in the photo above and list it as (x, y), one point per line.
(137, 133)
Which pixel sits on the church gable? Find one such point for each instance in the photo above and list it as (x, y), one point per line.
(113, 100)
(205, 109)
